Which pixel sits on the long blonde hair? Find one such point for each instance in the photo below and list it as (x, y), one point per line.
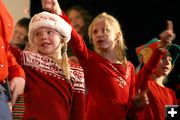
(112, 21)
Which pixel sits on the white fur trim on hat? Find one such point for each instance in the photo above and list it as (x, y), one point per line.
(49, 20)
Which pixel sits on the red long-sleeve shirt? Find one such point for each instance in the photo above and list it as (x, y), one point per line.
(106, 99)
(8, 65)
(158, 96)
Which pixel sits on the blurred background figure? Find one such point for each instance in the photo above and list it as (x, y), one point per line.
(80, 19)
(19, 37)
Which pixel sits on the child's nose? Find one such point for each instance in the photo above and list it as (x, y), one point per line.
(43, 35)
(99, 33)
(167, 61)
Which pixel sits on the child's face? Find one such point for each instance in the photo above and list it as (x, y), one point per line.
(103, 35)
(47, 41)
(19, 34)
(47, 4)
(164, 66)
(76, 20)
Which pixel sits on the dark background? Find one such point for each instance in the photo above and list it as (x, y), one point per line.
(141, 20)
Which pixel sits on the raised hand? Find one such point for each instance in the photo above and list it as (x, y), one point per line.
(168, 35)
(51, 6)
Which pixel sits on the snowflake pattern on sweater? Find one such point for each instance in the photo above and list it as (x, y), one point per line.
(48, 66)
(48, 94)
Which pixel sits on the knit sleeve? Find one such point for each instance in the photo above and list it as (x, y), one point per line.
(78, 103)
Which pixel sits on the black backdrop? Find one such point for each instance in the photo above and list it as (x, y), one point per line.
(141, 20)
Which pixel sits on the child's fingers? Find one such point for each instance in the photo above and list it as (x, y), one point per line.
(170, 25)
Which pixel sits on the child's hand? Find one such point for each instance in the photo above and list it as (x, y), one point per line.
(141, 99)
(51, 6)
(17, 86)
(168, 35)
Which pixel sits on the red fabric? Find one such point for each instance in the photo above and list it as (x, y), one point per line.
(48, 95)
(8, 65)
(106, 100)
(158, 96)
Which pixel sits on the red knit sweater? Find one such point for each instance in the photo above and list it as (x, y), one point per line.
(48, 95)
(106, 98)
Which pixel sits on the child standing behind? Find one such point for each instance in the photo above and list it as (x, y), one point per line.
(55, 87)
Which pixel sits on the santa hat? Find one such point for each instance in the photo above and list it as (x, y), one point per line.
(144, 52)
(49, 20)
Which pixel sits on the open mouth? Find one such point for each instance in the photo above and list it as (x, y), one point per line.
(45, 44)
(165, 68)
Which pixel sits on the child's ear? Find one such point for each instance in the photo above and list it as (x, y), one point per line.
(118, 36)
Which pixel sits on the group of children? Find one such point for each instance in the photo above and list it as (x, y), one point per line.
(55, 86)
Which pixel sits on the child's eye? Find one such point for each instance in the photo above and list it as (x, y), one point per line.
(50, 32)
(170, 58)
(37, 34)
(107, 30)
(94, 31)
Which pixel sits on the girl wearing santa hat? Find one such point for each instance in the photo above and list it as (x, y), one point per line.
(55, 87)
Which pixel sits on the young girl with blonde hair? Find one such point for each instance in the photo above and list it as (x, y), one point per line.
(109, 75)
(55, 86)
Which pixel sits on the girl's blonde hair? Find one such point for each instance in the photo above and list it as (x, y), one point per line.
(64, 63)
(112, 21)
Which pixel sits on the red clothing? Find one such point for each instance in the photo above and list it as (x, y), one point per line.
(48, 95)
(106, 99)
(8, 64)
(158, 96)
